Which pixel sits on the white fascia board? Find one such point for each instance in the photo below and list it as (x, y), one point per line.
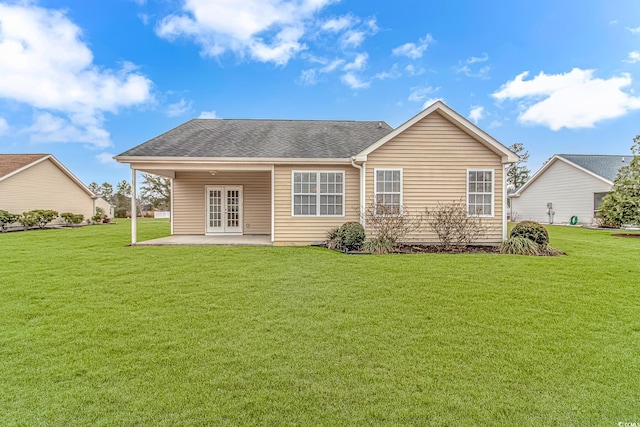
(228, 160)
(507, 155)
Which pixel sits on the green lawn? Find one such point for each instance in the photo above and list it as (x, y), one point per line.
(94, 332)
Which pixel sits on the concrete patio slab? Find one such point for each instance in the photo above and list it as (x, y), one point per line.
(202, 240)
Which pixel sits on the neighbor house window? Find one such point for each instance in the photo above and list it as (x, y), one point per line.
(597, 200)
(480, 192)
(318, 194)
(388, 192)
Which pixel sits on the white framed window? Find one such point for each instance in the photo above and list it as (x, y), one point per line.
(480, 192)
(388, 192)
(317, 193)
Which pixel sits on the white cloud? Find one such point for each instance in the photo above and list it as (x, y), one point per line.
(332, 66)
(358, 63)
(634, 30)
(413, 50)
(467, 68)
(179, 108)
(4, 126)
(430, 101)
(476, 113)
(338, 24)
(495, 124)
(613, 22)
(106, 158)
(307, 77)
(354, 82)
(352, 38)
(419, 94)
(413, 71)
(573, 100)
(633, 57)
(47, 66)
(208, 115)
(393, 73)
(265, 30)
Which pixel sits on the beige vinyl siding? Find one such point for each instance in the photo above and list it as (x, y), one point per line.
(568, 188)
(434, 156)
(304, 230)
(189, 205)
(44, 186)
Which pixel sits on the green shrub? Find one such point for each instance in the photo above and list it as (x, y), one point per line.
(71, 218)
(379, 246)
(351, 236)
(100, 216)
(28, 219)
(6, 219)
(44, 216)
(532, 231)
(518, 245)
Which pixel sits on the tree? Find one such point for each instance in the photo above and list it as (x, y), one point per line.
(622, 204)
(122, 199)
(105, 191)
(157, 191)
(518, 174)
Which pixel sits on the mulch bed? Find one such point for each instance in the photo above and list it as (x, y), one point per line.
(637, 236)
(435, 249)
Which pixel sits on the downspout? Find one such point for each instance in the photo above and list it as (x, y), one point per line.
(363, 193)
(134, 213)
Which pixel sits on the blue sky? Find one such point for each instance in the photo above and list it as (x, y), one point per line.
(85, 80)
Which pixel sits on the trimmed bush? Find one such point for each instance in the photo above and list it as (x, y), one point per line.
(351, 236)
(532, 231)
(71, 218)
(7, 219)
(28, 219)
(44, 216)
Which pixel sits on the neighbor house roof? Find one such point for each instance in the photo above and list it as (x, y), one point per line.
(13, 164)
(603, 167)
(606, 166)
(247, 138)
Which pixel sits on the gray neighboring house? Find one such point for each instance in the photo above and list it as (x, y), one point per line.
(567, 185)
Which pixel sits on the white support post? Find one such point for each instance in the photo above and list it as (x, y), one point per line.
(273, 203)
(504, 202)
(134, 211)
(171, 213)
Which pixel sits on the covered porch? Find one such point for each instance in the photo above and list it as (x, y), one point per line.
(215, 203)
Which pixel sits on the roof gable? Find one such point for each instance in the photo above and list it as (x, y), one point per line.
(457, 120)
(13, 164)
(602, 167)
(257, 139)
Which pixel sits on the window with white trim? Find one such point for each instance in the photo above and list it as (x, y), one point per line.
(480, 192)
(318, 194)
(388, 192)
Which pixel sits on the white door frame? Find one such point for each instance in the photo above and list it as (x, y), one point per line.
(229, 223)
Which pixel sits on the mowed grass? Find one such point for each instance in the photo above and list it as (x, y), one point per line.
(94, 332)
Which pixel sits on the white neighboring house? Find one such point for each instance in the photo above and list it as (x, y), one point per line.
(567, 185)
(40, 181)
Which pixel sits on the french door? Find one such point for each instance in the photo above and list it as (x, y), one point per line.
(224, 209)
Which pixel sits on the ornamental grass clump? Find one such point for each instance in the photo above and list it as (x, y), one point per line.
(529, 238)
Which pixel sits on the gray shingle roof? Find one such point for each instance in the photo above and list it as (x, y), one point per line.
(604, 165)
(264, 139)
